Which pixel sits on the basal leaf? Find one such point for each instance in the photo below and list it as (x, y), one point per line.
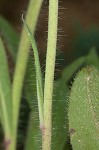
(33, 140)
(59, 117)
(84, 110)
(5, 93)
(39, 82)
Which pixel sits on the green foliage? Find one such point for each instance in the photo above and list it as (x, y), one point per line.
(92, 58)
(59, 123)
(39, 82)
(10, 36)
(75, 118)
(84, 110)
(30, 93)
(72, 68)
(5, 94)
(33, 139)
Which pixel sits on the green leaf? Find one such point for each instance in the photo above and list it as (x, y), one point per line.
(84, 110)
(39, 82)
(92, 58)
(11, 37)
(33, 140)
(72, 68)
(34, 137)
(5, 93)
(59, 117)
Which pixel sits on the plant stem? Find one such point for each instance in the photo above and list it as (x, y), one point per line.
(22, 58)
(49, 75)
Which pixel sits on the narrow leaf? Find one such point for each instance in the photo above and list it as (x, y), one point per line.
(38, 74)
(5, 93)
(92, 58)
(72, 68)
(33, 140)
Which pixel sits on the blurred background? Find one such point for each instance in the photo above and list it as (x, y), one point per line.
(78, 25)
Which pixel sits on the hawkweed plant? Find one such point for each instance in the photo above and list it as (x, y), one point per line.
(60, 117)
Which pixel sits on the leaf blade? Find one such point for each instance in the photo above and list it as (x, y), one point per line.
(5, 93)
(84, 110)
(38, 74)
(33, 133)
(11, 37)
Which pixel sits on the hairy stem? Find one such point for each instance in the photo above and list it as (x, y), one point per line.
(49, 75)
(22, 58)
